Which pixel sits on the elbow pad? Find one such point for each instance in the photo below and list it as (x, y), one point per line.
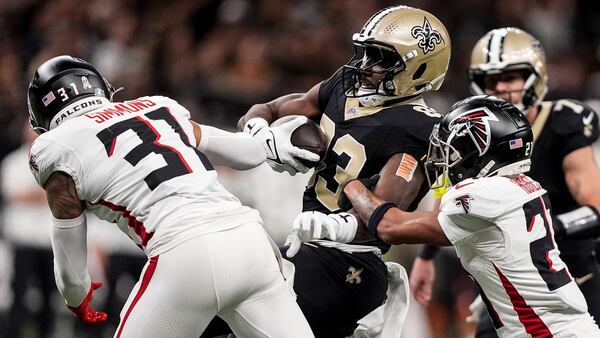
(236, 150)
(69, 245)
(580, 223)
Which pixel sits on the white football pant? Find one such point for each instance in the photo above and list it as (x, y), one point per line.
(233, 274)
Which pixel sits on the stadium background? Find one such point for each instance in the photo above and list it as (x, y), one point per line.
(217, 58)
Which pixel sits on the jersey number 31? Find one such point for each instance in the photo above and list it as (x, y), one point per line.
(176, 164)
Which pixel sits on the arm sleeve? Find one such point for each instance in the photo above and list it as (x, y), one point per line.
(69, 245)
(236, 150)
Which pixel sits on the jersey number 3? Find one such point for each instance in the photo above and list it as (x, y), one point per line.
(346, 146)
(176, 164)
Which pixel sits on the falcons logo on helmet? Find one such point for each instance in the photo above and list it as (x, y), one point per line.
(476, 123)
(465, 202)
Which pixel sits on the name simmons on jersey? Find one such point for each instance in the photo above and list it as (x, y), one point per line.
(120, 109)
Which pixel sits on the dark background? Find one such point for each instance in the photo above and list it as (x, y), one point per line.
(217, 58)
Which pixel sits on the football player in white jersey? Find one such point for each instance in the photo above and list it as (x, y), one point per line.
(510, 63)
(497, 218)
(141, 164)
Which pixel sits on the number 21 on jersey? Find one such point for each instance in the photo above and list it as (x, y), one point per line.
(543, 249)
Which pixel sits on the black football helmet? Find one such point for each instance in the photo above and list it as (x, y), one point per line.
(480, 136)
(57, 83)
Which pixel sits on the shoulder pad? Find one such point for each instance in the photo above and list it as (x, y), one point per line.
(47, 156)
(486, 197)
(414, 114)
(427, 111)
(170, 103)
(159, 99)
(328, 86)
(572, 116)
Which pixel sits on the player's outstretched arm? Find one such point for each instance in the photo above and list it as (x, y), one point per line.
(394, 226)
(236, 150)
(69, 246)
(306, 104)
(400, 182)
(281, 154)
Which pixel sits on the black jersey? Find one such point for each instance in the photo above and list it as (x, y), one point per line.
(560, 128)
(361, 141)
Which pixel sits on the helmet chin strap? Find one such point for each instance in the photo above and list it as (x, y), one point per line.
(114, 92)
(527, 91)
(485, 170)
(512, 169)
(371, 100)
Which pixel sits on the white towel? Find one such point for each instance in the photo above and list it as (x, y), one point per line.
(387, 320)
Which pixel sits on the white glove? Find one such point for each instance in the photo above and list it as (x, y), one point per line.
(281, 154)
(476, 308)
(311, 225)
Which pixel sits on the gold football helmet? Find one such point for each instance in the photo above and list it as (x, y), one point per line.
(508, 49)
(411, 49)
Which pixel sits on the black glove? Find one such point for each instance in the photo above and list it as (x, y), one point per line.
(343, 200)
(581, 223)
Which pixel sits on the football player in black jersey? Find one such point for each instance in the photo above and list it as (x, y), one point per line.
(376, 122)
(510, 63)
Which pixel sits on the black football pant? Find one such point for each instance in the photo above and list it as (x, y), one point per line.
(33, 269)
(335, 289)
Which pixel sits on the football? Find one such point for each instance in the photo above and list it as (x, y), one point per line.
(307, 136)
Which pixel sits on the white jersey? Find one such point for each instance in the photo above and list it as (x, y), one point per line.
(135, 164)
(502, 231)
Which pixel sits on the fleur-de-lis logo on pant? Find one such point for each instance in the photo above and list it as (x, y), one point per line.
(353, 276)
(427, 36)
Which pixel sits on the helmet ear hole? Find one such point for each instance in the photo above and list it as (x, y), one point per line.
(419, 72)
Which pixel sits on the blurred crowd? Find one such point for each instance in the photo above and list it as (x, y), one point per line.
(218, 57)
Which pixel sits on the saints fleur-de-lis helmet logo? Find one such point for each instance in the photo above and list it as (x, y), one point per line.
(427, 36)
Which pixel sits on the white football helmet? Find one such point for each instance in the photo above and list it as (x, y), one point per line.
(508, 49)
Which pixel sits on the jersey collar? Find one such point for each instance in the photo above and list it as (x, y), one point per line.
(540, 121)
(353, 109)
(78, 108)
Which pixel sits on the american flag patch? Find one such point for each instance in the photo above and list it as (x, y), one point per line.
(46, 100)
(516, 143)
